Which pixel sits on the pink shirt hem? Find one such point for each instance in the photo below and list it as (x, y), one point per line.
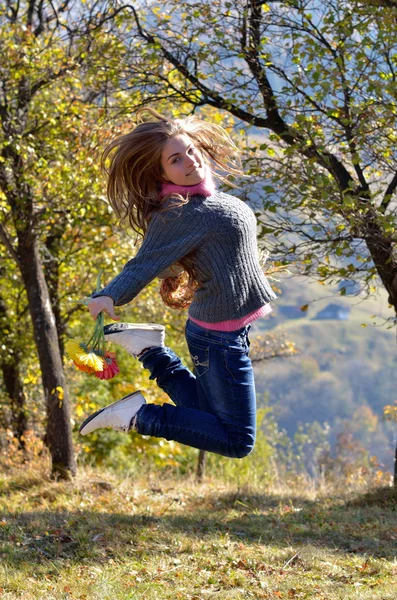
(235, 324)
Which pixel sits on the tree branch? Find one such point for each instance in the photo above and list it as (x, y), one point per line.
(13, 9)
(211, 96)
(273, 121)
(7, 243)
(277, 123)
(385, 3)
(388, 194)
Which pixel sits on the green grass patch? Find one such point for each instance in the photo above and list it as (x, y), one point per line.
(101, 537)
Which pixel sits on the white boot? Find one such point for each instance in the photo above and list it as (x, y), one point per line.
(135, 337)
(118, 415)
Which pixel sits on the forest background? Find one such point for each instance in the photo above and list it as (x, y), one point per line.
(307, 90)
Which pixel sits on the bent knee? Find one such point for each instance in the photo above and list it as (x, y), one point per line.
(243, 448)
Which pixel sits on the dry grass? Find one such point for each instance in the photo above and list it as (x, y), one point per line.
(101, 537)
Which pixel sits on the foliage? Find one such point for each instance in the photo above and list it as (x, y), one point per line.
(390, 411)
(313, 86)
(46, 49)
(328, 168)
(59, 68)
(265, 347)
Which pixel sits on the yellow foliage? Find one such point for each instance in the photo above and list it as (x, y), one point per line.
(79, 410)
(390, 411)
(59, 391)
(30, 378)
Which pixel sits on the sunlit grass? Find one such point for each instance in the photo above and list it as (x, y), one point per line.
(105, 537)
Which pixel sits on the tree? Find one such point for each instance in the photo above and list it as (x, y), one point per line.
(317, 82)
(52, 65)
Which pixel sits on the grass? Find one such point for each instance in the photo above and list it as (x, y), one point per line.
(103, 537)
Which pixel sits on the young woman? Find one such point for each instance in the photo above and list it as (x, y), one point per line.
(203, 242)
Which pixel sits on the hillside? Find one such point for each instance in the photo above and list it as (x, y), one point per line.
(345, 368)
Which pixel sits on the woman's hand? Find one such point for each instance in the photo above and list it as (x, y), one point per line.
(102, 304)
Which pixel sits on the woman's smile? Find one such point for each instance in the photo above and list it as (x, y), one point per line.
(182, 162)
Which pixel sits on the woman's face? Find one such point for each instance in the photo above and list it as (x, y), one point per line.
(181, 162)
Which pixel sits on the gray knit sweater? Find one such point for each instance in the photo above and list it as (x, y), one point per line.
(220, 231)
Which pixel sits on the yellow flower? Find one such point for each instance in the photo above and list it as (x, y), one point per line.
(92, 360)
(74, 350)
(81, 357)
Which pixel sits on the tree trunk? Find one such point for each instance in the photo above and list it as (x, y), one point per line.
(384, 259)
(201, 465)
(382, 251)
(59, 432)
(9, 365)
(51, 273)
(14, 183)
(14, 386)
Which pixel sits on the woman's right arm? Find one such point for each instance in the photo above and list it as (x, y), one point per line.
(102, 304)
(165, 242)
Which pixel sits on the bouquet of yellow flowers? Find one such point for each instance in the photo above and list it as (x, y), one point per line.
(92, 357)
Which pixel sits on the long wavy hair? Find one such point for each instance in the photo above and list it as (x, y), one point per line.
(132, 163)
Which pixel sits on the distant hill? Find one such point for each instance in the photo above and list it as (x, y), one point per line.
(333, 312)
(346, 367)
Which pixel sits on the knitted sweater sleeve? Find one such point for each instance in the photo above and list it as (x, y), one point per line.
(167, 240)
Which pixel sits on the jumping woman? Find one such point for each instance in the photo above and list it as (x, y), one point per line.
(202, 243)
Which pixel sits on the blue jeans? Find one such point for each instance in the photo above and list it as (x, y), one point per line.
(216, 406)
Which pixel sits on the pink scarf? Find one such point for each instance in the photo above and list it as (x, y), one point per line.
(204, 188)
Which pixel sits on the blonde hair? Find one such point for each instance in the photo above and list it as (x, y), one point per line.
(135, 176)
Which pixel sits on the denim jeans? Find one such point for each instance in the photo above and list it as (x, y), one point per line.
(215, 406)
